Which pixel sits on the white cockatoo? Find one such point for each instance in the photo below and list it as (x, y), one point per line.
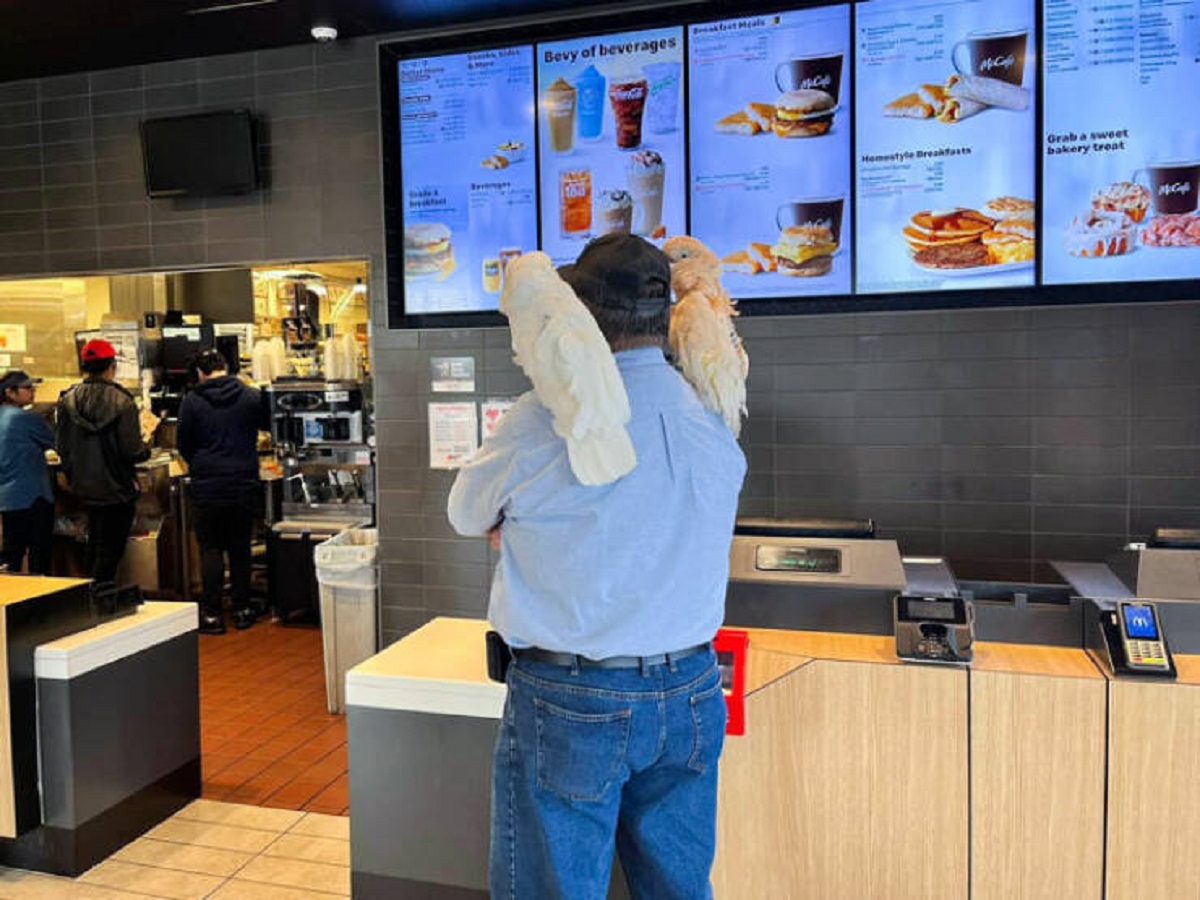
(558, 344)
(703, 338)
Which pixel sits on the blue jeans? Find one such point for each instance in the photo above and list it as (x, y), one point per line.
(588, 760)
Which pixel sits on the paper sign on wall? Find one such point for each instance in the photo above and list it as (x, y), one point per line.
(452, 374)
(12, 338)
(453, 434)
(490, 414)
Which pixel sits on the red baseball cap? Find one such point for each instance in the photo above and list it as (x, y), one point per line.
(97, 350)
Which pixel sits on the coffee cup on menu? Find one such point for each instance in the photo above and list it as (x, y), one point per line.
(821, 73)
(992, 54)
(812, 212)
(1173, 185)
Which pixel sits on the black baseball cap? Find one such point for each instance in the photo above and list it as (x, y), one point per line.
(15, 378)
(622, 271)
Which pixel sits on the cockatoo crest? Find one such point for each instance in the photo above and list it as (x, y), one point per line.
(558, 344)
(703, 337)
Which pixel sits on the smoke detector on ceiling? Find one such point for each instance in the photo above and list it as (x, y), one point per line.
(324, 33)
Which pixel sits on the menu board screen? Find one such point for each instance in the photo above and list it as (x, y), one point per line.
(1121, 142)
(611, 139)
(770, 150)
(467, 174)
(946, 125)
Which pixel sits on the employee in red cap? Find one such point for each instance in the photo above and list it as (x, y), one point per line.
(100, 442)
(26, 497)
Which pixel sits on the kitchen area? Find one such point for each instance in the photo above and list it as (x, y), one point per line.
(298, 332)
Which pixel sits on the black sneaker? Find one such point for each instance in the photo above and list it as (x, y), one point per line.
(243, 619)
(211, 624)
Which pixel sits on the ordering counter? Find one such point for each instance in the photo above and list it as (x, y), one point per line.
(1031, 774)
(99, 722)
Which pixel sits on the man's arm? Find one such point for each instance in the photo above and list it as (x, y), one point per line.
(481, 488)
(62, 435)
(39, 432)
(185, 440)
(129, 435)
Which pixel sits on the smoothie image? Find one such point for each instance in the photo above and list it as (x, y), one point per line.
(560, 100)
(590, 87)
(662, 102)
(628, 98)
(647, 174)
(616, 212)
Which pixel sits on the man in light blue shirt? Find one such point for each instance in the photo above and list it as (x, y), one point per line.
(609, 597)
(26, 497)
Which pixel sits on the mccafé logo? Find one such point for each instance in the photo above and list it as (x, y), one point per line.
(997, 62)
(1179, 187)
(817, 81)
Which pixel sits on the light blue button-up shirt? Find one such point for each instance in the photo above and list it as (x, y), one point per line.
(636, 567)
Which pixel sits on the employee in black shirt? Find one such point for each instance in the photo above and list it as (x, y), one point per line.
(218, 430)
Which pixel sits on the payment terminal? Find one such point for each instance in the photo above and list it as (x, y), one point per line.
(1135, 641)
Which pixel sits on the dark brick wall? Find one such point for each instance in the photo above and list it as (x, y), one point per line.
(999, 438)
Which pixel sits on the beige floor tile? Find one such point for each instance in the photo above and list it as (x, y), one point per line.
(333, 851)
(321, 825)
(16, 885)
(250, 890)
(150, 880)
(186, 858)
(204, 834)
(240, 815)
(295, 873)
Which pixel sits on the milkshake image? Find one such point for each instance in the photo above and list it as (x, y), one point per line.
(616, 212)
(559, 101)
(590, 86)
(646, 174)
(628, 99)
(662, 103)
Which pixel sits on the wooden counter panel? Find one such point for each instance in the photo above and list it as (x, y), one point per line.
(1034, 659)
(850, 782)
(1037, 786)
(1188, 668)
(8, 805)
(1154, 791)
(19, 588)
(764, 667)
(871, 648)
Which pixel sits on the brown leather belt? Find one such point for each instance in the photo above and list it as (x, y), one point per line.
(537, 654)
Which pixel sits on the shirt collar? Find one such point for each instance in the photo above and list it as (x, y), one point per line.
(640, 356)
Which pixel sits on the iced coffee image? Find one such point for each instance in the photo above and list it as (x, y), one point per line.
(559, 103)
(647, 175)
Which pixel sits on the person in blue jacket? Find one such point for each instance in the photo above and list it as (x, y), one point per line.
(219, 421)
(26, 494)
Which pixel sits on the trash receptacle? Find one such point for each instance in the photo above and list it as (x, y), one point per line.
(347, 577)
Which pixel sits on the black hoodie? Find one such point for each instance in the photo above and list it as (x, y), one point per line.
(100, 442)
(219, 421)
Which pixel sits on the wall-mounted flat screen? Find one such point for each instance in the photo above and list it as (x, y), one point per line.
(468, 184)
(1121, 141)
(946, 99)
(200, 155)
(611, 138)
(770, 114)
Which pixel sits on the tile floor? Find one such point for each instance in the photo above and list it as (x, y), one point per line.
(218, 851)
(267, 738)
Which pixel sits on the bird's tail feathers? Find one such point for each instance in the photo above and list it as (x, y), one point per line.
(601, 458)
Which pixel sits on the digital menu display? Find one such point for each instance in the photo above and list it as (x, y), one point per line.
(946, 137)
(611, 139)
(467, 173)
(770, 117)
(1121, 142)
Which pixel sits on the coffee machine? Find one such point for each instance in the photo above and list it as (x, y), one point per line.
(321, 433)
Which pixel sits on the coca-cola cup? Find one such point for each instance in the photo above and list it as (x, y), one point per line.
(992, 54)
(1173, 186)
(820, 73)
(628, 99)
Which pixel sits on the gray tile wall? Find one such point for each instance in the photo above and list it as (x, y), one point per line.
(1000, 438)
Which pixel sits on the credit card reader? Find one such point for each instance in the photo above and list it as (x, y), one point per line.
(1135, 641)
(934, 629)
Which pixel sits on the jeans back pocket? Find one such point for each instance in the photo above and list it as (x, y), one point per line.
(708, 718)
(579, 755)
